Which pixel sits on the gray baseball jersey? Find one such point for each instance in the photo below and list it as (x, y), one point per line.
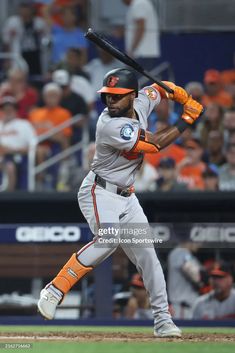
(208, 307)
(115, 137)
(180, 288)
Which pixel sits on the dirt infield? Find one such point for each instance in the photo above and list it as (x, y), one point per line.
(109, 337)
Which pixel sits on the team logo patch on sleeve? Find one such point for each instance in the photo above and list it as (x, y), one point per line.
(151, 93)
(127, 132)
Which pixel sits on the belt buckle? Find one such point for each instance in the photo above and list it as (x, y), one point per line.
(125, 192)
(128, 191)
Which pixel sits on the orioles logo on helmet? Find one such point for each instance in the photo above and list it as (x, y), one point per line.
(112, 81)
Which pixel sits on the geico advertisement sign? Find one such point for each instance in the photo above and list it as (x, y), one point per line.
(48, 234)
(212, 234)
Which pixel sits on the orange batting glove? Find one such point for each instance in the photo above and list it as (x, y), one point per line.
(192, 111)
(179, 95)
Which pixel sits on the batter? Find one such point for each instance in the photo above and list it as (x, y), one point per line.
(106, 196)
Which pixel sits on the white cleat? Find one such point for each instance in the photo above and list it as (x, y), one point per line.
(47, 304)
(169, 329)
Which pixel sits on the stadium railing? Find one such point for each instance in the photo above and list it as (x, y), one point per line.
(34, 169)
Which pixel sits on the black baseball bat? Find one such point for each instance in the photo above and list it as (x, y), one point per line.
(106, 45)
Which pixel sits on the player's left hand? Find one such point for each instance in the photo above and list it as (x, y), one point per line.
(192, 111)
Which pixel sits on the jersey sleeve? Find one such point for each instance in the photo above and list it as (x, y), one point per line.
(147, 99)
(120, 134)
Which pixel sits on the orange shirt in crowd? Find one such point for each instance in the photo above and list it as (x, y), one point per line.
(228, 77)
(192, 175)
(56, 9)
(224, 99)
(44, 119)
(174, 151)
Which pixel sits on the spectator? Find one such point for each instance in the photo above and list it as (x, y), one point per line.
(74, 102)
(213, 120)
(184, 279)
(228, 76)
(227, 171)
(167, 180)
(98, 67)
(142, 40)
(229, 124)
(196, 90)
(55, 8)
(211, 178)
(215, 148)
(23, 34)
(138, 306)
(173, 151)
(220, 303)
(191, 168)
(145, 178)
(51, 115)
(214, 90)
(70, 100)
(164, 113)
(16, 135)
(228, 79)
(231, 139)
(76, 84)
(18, 87)
(67, 35)
(73, 63)
(83, 88)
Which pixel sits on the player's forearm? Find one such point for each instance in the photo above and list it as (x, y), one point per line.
(164, 137)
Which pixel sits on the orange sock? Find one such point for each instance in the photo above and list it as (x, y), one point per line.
(70, 274)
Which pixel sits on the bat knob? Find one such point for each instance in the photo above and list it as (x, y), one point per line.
(88, 33)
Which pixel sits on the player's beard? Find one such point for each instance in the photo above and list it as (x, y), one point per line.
(118, 112)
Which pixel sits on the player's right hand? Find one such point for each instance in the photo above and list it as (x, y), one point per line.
(192, 111)
(179, 95)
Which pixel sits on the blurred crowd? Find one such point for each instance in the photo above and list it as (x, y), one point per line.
(52, 79)
(203, 158)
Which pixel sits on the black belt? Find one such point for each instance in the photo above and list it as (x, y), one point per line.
(116, 189)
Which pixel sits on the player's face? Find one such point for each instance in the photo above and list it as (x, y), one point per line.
(221, 285)
(120, 104)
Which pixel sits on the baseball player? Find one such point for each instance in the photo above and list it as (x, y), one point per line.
(218, 304)
(107, 196)
(184, 279)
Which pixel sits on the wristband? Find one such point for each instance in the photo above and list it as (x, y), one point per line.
(181, 125)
